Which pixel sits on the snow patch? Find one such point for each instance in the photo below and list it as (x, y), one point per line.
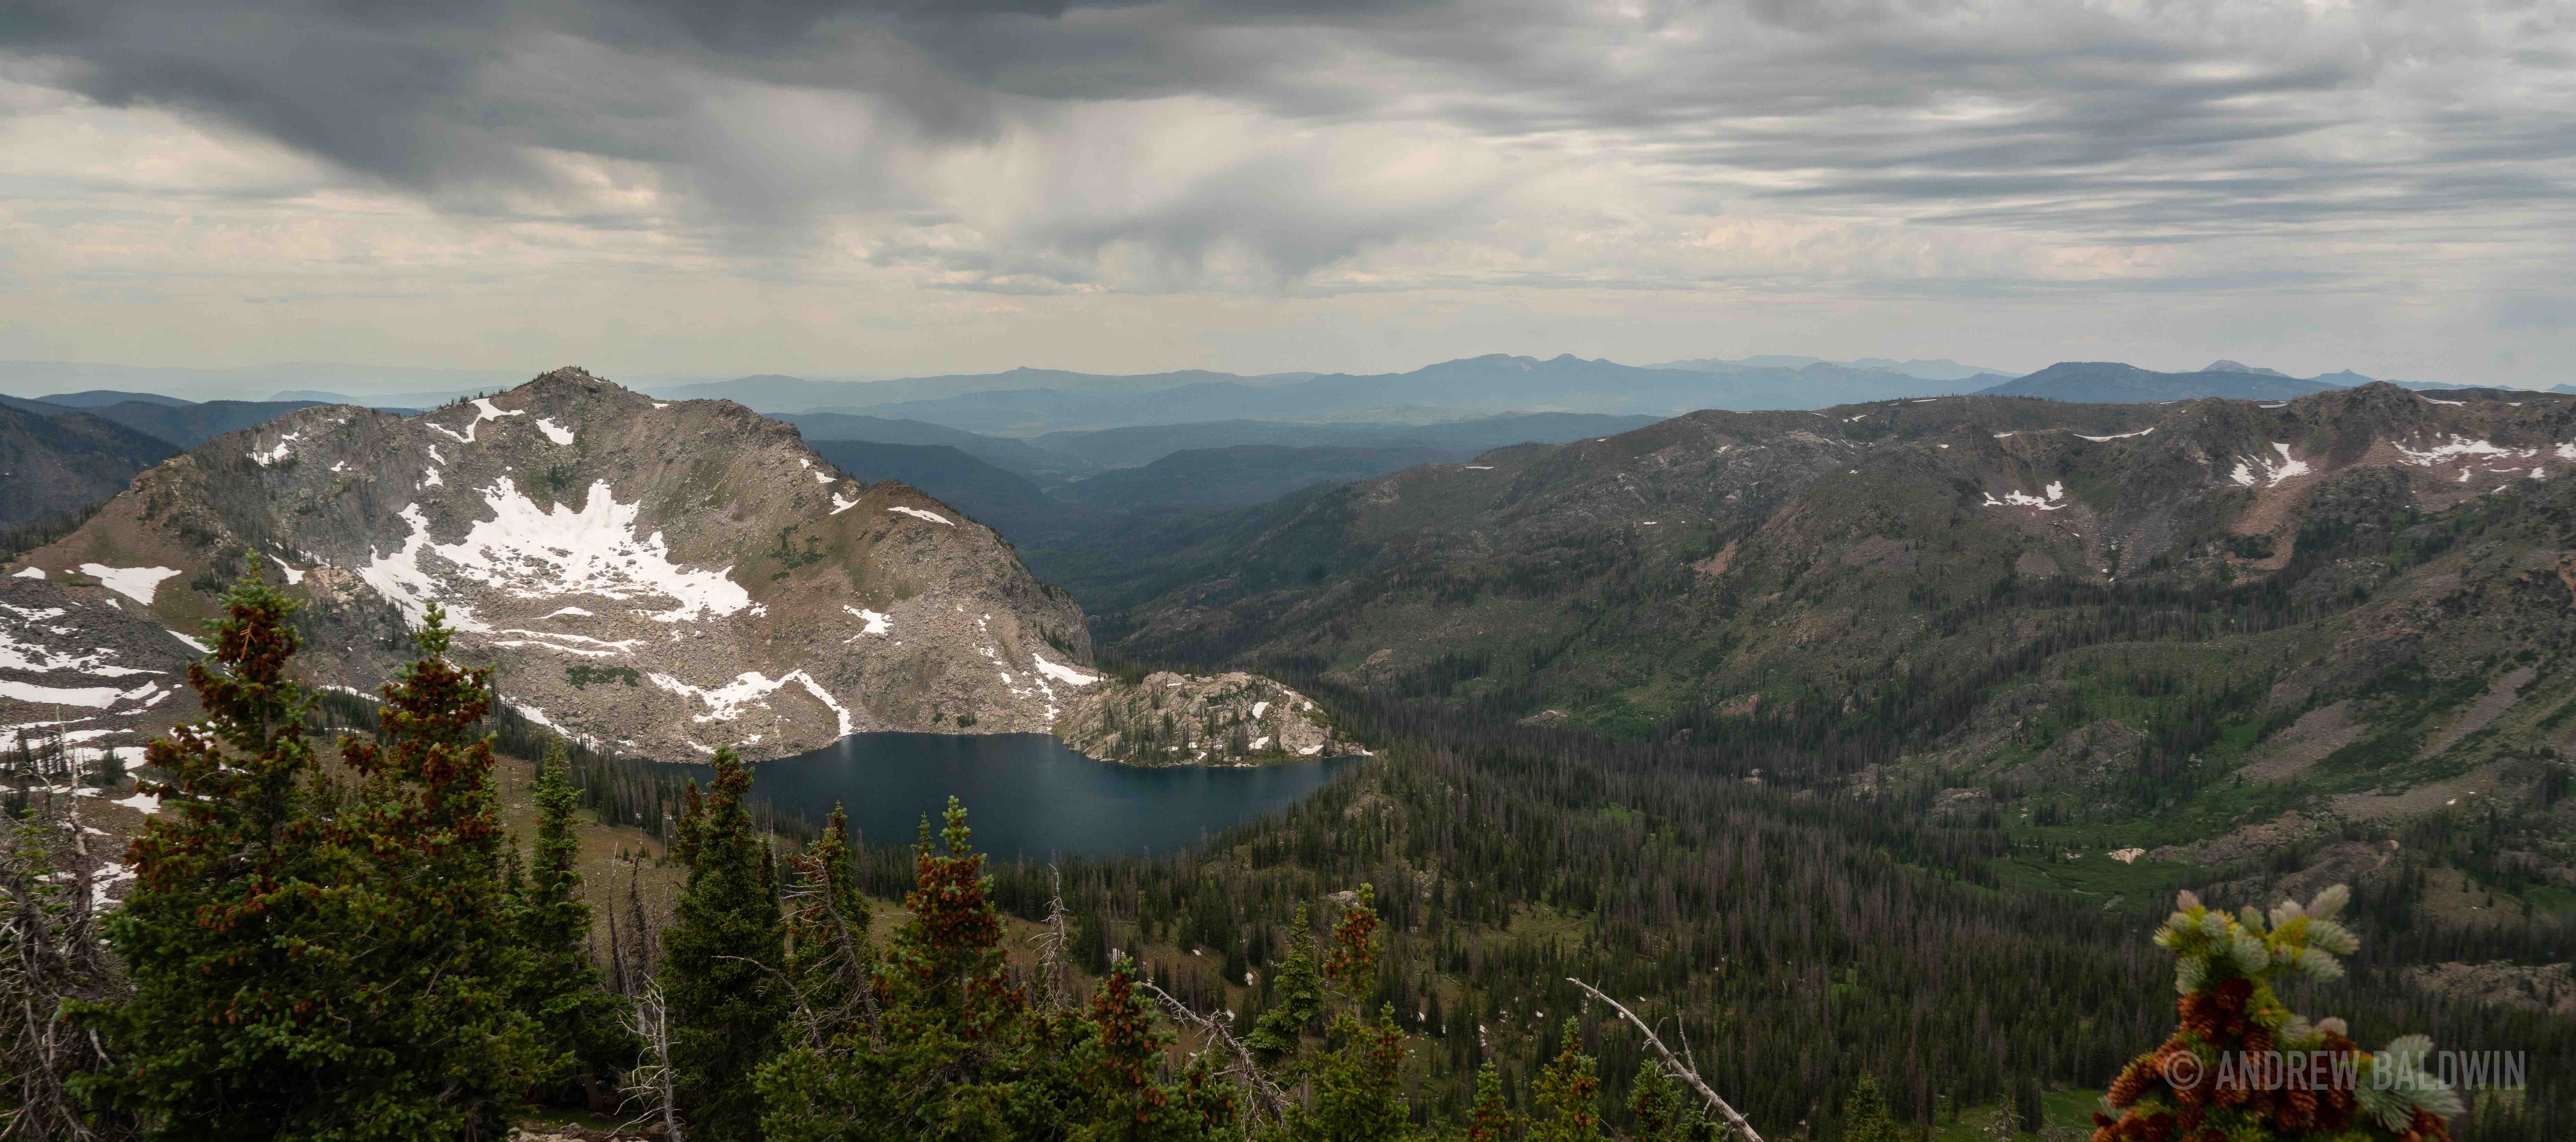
(840, 505)
(535, 553)
(2436, 400)
(2116, 435)
(29, 573)
(725, 703)
(273, 455)
(1064, 674)
(1480, 467)
(484, 411)
(2019, 499)
(822, 478)
(2462, 446)
(917, 513)
(429, 478)
(193, 644)
(565, 611)
(86, 697)
(136, 583)
(554, 432)
(1258, 708)
(293, 576)
(878, 622)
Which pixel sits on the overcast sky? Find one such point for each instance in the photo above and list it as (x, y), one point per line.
(932, 185)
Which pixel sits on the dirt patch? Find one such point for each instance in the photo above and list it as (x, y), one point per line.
(2317, 733)
(2489, 706)
(2430, 798)
(1716, 565)
(2549, 988)
(2252, 840)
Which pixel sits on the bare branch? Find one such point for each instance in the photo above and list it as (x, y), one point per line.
(1688, 1074)
(652, 1082)
(1244, 1068)
(1053, 978)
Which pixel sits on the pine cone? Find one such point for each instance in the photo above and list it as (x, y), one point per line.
(2132, 1081)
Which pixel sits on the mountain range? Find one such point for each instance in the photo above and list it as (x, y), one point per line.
(2353, 603)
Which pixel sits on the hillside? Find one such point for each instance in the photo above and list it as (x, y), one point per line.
(1144, 444)
(1021, 456)
(1005, 501)
(2110, 382)
(188, 425)
(661, 577)
(2157, 625)
(63, 461)
(1242, 474)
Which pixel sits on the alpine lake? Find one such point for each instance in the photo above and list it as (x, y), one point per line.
(1026, 795)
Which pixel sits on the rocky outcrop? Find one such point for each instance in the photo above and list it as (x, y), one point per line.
(663, 577)
(1191, 719)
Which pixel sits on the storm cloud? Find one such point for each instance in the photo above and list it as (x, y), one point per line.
(1810, 153)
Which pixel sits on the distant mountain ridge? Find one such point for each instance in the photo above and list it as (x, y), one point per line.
(1937, 369)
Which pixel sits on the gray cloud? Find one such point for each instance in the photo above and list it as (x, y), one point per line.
(1044, 147)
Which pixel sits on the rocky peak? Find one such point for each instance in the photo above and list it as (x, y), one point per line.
(665, 577)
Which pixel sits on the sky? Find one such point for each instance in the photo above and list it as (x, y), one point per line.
(929, 186)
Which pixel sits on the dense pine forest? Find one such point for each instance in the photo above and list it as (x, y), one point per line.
(331, 936)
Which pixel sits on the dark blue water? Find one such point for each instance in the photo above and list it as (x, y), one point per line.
(1026, 794)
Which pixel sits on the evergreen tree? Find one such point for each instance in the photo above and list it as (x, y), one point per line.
(308, 964)
(725, 1006)
(447, 957)
(960, 1055)
(1567, 1093)
(1359, 1084)
(1116, 1064)
(1865, 1116)
(581, 1026)
(1664, 1111)
(828, 956)
(1297, 997)
(1491, 1120)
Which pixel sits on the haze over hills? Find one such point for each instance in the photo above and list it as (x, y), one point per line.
(58, 463)
(1942, 369)
(1241, 474)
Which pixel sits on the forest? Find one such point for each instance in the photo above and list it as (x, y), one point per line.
(336, 939)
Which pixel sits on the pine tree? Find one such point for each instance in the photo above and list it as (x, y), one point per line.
(1663, 1110)
(1567, 1094)
(961, 1055)
(1116, 1061)
(305, 968)
(1297, 997)
(829, 957)
(724, 939)
(1865, 1116)
(581, 1026)
(2225, 967)
(1490, 1120)
(426, 815)
(1359, 1085)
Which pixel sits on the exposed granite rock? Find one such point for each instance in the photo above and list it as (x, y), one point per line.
(1192, 719)
(664, 577)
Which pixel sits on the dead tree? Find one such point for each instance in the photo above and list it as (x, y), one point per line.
(1266, 1096)
(651, 1082)
(51, 955)
(1054, 979)
(1689, 1073)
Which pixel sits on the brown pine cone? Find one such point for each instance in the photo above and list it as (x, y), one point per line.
(2132, 1081)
